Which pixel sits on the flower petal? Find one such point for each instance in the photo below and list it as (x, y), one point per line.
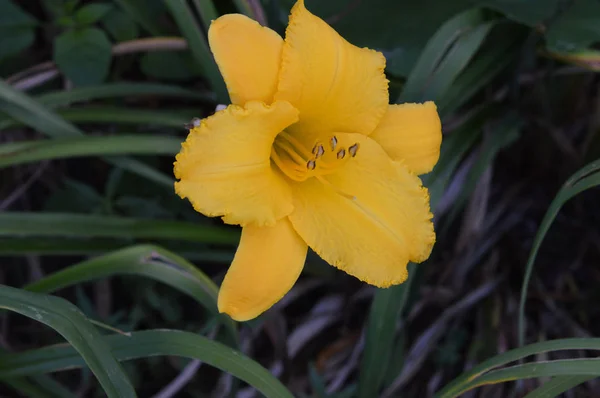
(376, 234)
(224, 165)
(248, 56)
(267, 263)
(335, 85)
(411, 133)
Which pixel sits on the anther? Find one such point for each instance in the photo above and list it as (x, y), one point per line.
(341, 153)
(311, 164)
(353, 149)
(318, 151)
(333, 142)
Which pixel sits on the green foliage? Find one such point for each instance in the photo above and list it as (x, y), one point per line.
(16, 29)
(83, 55)
(94, 97)
(67, 320)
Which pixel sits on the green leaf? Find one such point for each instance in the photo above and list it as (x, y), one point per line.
(70, 323)
(170, 65)
(144, 260)
(120, 90)
(207, 11)
(455, 60)
(16, 29)
(41, 386)
(91, 13)
(145, 16)
(492, 58)
(198, 46)
(584, 179)
(120, 115)
(385, 310)
(32, 151)
(571, 367)
(576, 28)
(83, 55)
(120, 26)
(21, 107)
(147, 344)
(433, 53)
(14, 40)
(454, 147)
(504, 133)
(12, 16)
(78, 226)
(558, 385)
(530, 12)
(454, 388)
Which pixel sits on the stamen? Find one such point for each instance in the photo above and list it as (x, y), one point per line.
(353, 149)
(311, 164)
(333, 142)
(341, 154)
(318, 151)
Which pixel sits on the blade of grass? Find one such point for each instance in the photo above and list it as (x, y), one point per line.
(33, 151)
(147, 344)
(189, 28)
(49, 246)
(107, 114)
(379, 339)
(56, 246)
(38, 386)
(143, 260)
(586, 178)
(120, 90)
(207, 11)
(566, 367)
(488, 63)
(69, 322)
(79, 226)
(455, 60)
(140, 14)
(244, 8)
(434, 52)
(504, 133)
(23, 108)
(514, 355)
(558, 385)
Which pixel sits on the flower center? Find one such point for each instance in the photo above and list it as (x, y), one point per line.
(299, 163)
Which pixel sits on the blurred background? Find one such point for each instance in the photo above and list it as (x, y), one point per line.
(94, 97)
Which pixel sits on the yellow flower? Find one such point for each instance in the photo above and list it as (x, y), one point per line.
(309, 154)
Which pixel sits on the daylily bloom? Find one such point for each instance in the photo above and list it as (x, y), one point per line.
(309, 154)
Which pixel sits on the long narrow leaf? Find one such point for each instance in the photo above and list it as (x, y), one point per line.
(33, 151)
(585, 178)
(120, 90)
(144, 260)
(566, 367)
(381, 328)
(558, 385)
(69, 322)
(21, 107)
(113, 115)
(455, 60)
(514, 355)
(146, 344)
(199, 47)
(434, 52)
(79, 225)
